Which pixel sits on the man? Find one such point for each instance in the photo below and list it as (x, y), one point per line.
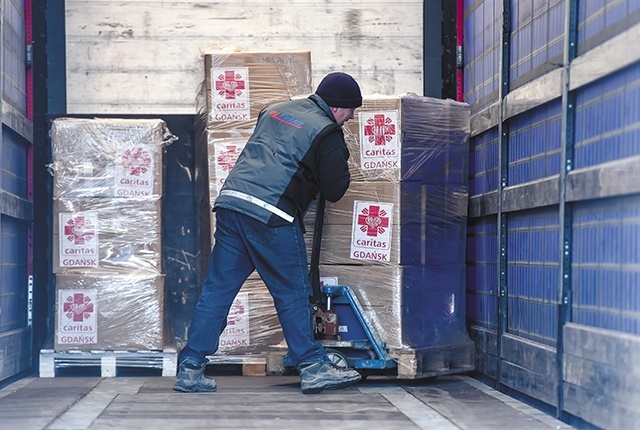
(297, 150)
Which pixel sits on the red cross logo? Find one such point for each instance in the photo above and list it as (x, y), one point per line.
(230, 85)
(228, 158)
(79, 230)
(78, 307)
(137, 160)
(373, 220)
(379, 129)
(236, 312)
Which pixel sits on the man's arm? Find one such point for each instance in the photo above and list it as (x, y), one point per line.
(333, 166)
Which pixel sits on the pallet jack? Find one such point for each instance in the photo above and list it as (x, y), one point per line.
(339, 322)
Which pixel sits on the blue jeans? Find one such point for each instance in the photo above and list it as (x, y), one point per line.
(243, 244)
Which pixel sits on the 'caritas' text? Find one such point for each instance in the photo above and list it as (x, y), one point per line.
(78, 327)
(135, 182)
(380, 152)
(371, 243)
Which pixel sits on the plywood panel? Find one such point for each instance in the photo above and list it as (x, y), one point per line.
(15, 352)
(533, 384)
(145, 57)
(602, 374)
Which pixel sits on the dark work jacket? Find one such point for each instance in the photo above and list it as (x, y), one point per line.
(296, 151)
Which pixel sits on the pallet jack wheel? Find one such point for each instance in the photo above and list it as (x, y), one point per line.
(337, 358)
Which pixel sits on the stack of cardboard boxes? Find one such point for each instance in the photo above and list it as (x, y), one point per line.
(237, 86)
(397, 237)
(107, 254)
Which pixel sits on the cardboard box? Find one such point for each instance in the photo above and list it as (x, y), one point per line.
(113, 312)
(107, 235)
(223, 149)
(409, 138)
(107, 157)
(252, 325)
(379, 291)
(238, 85)
(408, 306)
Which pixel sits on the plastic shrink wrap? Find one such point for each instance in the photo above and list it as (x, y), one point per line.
(398, 236)
(107, 248)
(113, 312)
(235, 88)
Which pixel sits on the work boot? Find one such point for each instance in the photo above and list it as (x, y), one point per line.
(326, 376)
(191, 378)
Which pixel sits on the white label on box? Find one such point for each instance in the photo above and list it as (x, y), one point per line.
(230, 94)
(371, 231)
(226, 154)
(77, 322)
(379, 140)
(134, 172)
(236, 334)
(79, 239)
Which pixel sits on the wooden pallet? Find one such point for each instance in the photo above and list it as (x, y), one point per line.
(108, 361)
(412, 363)
(434, 361)
(250, 365)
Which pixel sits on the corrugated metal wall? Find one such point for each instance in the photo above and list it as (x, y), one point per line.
(554, 236)
(16, 206)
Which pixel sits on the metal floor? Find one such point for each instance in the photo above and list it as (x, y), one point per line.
(265, 402)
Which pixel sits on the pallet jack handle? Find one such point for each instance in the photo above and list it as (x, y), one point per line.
(314, 270)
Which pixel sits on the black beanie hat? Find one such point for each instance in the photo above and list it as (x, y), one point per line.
(338, 89)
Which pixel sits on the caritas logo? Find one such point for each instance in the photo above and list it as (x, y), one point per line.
(379, 140)
(77, 320)
(135, 173)
(79, 237)
(371, 231)
(137, 161)
(236, 334)
(78, 307)
(236, 313)
(379, 129)
(226, 157)
(230, 94)
(230, 85)
(79, 230)
(373, 221)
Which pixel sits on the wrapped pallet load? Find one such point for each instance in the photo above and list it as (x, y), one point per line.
(107, 247)
(235, 88)
(398, 236)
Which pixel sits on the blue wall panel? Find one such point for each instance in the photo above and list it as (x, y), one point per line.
(608, 118)
(534, 143)
(13, 274)
(13, 167)
(483, 162)
(533, 274)
(537, 37)
(482, 52)
(606, 266)
(14, 54)
(600, 20)
(482, 272)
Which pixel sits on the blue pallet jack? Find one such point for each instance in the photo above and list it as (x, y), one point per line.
(350, 342)
(339, 322)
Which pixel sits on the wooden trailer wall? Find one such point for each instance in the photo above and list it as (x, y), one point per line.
(144, 57)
